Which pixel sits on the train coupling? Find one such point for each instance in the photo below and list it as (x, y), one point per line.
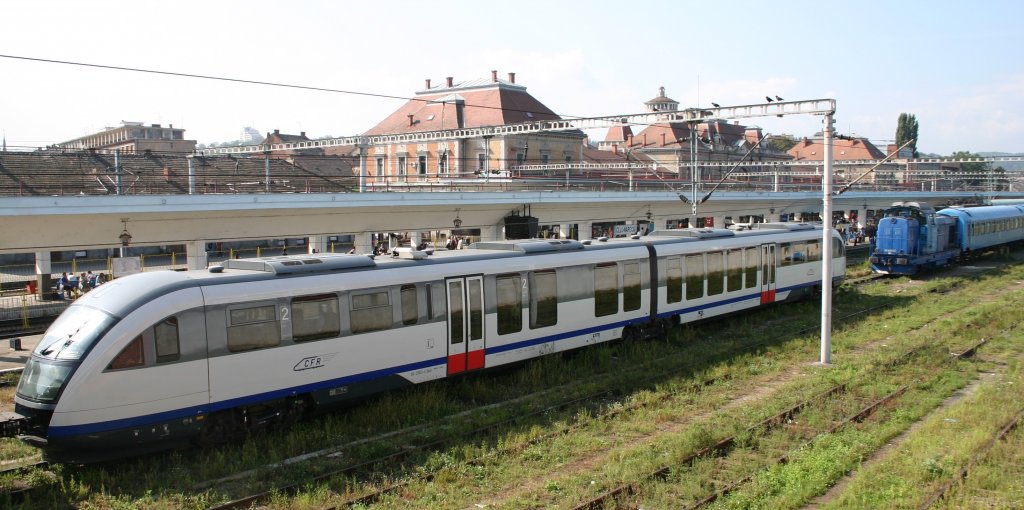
(36, 441)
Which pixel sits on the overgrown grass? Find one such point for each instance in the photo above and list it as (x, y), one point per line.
(666, 419)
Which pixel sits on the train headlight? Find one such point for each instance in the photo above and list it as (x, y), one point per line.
(873, 259)
(901, 261)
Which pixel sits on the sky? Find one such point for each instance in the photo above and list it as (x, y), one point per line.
(955, 65)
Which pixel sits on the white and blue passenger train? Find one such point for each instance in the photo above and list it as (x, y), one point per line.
(913, 236)
(154, 360)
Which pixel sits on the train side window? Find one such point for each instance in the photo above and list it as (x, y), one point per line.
(734, 270)
(410, 305)
(716, 272)
(436, 304)
(315, 317)
(509, 291)
(694, 276)
(371, 311)
(785, 254)
(165, 335)
(673, 279)
(631, 286)
(543, 299)
(799, 253)
(131, 356)
(838, 249)
(813, 251)
(253, 327)
(606, 289)
(476, 309)
(750, 258)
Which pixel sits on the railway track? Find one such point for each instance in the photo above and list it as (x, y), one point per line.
(390, 461)
(374, 465)
(776, 439)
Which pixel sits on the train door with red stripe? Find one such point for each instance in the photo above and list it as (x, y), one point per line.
(465, 323)
(767, 273)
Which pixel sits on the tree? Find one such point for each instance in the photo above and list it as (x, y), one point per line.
(974, 173)
(781, 143)
(906, 130)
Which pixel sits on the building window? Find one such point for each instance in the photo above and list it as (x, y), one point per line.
(520, 158)
(401, 166)
(545, 159)
(568, 159)
(422, 166)
(380, 166)
(442, 163)
(481, 160)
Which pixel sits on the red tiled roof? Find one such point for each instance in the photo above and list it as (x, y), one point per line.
(619, 133)
(856, 149)
(451, 108)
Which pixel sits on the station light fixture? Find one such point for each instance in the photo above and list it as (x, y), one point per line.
(457, 221)
(125, 237)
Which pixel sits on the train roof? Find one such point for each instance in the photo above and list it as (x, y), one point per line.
(119, 296)
(990, 212)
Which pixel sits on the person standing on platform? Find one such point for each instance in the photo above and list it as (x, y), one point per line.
(64, 285)
(72, 285)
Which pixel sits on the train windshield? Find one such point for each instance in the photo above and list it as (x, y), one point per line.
(43, 380)
(71, 335)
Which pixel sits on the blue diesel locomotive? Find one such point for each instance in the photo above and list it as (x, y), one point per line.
(913, 236)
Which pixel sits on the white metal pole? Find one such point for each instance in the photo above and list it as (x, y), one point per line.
(363, 149)
(826, 248)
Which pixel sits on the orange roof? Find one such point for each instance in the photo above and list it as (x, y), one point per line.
(469, 104)
(855, 149)
(619, 133)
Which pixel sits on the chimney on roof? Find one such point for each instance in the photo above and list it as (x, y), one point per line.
(511, 77)
(615, 149)
(428, 83)
(663, 139)
(302, 134)
(410, 119)
(449, 80)
(277, 131)
(494, 76)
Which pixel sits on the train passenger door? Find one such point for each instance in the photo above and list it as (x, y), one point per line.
(465, 323)
(767, 273)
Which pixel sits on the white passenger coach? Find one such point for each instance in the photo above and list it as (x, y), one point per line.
(153, 360)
